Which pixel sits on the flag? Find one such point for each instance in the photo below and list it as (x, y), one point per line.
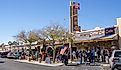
(63, 50)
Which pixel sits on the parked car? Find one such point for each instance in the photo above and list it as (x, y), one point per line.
(3, 54)
(115, 60)
(14, 55)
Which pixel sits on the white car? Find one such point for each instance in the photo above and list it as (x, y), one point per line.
(115, 60)
(13, 55)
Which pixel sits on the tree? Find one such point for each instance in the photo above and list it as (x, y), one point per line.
(10, 43)
(53, 34)
(28, 38)
(49, 34)
(21, 37)
(15, 44)
(33, 36)
(71, 39)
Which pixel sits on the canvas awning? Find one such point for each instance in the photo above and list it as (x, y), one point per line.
(114, 37)
(104, 38)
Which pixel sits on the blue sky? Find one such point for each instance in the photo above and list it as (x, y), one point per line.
(17, 15)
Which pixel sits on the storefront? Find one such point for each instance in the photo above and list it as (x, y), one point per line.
(102, 38)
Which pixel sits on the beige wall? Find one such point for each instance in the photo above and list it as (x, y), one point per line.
(119, 29)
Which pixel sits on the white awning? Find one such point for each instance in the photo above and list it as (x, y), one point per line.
(114, 36)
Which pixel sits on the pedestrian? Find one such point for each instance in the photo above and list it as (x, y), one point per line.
(77, 54)
(98, 55)
(80, 56)
(106, 56)
(95, 59)
(48, 59)
(93, 55)
(74, 55)
(65, 56)
(58, 57)
(101, 57)
(85, 57)
(90, 56)
(62, 58)
(37, 54)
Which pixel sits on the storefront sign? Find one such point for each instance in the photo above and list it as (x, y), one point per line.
(95, 34)
(109, 31)
(88, 35)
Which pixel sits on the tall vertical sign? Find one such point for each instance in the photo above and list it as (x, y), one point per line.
(74, 7)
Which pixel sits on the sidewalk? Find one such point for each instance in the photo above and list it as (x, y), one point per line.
(73, 62)
(37, 63)
(104, 64)
(93, 64)
(56, 64)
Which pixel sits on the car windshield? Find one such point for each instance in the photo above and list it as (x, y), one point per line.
(117, 54)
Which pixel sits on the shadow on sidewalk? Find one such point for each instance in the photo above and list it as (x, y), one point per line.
(73, 64)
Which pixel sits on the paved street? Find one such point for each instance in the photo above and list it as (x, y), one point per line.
(11, 65)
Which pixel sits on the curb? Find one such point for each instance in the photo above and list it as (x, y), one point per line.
(37, 63)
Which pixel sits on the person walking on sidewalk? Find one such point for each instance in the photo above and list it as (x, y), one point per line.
(65, 56)
(85, 57)
(98, 55)
(80, 56)
(93, 55)
(90, 56)
(58, 57)
(106, 56)
(37, 54)
(74, 55)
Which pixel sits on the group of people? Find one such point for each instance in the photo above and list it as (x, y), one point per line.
(91, 55)
(84, 56)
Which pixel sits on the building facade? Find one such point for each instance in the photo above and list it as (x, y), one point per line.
(119, 30)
